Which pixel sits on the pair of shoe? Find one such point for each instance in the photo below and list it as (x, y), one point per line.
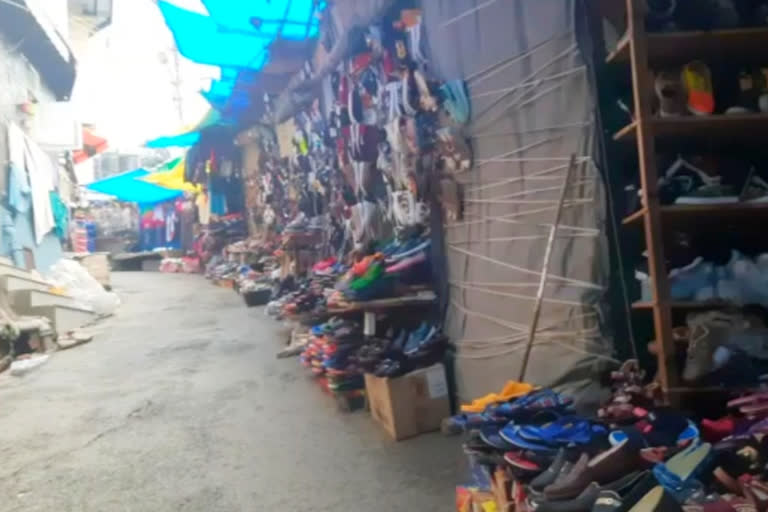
(619, 480)
(716, 336)
(687, 91)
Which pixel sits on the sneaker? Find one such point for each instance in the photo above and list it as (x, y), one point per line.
(683, 179)
(670, 93)
(755, 189)
(709, 193)
(697, 79)
(709, 331)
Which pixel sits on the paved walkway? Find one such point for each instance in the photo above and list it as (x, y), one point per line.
(180, 404)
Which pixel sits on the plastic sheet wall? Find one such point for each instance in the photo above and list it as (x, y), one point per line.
(532, 110)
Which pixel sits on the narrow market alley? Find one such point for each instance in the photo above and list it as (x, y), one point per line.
(179, 404)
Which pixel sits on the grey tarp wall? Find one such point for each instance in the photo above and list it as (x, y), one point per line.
(532, 109)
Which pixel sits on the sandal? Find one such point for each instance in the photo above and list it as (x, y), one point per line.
(678, 474)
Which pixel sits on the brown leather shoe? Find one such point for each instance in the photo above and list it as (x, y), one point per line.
(605, 467)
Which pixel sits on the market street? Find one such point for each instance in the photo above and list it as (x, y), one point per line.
(180, 404)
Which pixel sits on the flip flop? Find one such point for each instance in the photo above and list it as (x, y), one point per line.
(678, 474)
(566, 430)
(533, 403)
(491, 437)
(657, 499)
(511, 435)
(519, 461)
(512, 389)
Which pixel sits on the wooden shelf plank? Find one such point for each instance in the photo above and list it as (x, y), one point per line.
(684, 213)
(736, 128)
(635, 218)
(741, 45)
(683, 305)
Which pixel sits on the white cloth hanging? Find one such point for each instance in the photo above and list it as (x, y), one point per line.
(41, 171)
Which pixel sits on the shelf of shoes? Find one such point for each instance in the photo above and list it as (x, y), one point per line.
(726, 128)
(684, 305)
(671, 48)
(693, 215)
(419, 299)
(642, 52)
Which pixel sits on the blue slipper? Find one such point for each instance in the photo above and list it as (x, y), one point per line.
(491, 437)
(678, 474)
(566, 430)
(511, 435)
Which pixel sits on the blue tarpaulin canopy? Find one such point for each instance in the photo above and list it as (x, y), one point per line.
(199, 38)
(294, 20)
(129, 187)
(181, 141)
(235, 36)
(190, 135)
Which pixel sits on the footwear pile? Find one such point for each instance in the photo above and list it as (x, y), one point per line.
(382, 273)
(632, 456)
(339, 353)
(739, 280)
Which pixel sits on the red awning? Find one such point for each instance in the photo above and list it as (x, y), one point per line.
(92, 145)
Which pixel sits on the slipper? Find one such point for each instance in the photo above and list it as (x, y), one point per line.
(512, 389)
(533, 403)
(491, 437)
(678, 474)
(519, 461)
(657, 499)
(511, 434)
(566, 430)
(463, 422)
(660, 427)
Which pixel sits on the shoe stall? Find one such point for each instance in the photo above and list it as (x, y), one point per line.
(679, 90)
(349, 181)
(696, 189)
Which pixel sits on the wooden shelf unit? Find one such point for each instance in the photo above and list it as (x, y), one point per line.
(683, 215)
(673, 48)
(742, 128)
(642, 51)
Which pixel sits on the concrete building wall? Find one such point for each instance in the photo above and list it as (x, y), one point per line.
(20, 83)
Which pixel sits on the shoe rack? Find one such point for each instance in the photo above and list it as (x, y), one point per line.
(643, 52)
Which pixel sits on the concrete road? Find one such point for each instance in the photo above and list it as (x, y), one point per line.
(180, 404)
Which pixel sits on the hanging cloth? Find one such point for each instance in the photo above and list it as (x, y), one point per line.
(19, 192)
(40, 170)
(60, 215)
(203, 209)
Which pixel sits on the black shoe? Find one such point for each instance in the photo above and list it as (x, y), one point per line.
(551, 473)
(613, 500)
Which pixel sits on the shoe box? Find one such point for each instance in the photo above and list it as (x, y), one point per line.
(409, 405)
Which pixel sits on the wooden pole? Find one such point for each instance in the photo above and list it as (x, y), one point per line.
(545, 269)
(642, 81)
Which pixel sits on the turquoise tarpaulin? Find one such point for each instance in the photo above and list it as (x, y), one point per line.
(199, 38)
(294, 20)
(129, 187)
(181, 141)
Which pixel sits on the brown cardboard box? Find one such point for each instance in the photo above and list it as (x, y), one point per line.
(409, 405)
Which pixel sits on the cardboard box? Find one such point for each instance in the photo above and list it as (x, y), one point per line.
(409, 405)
